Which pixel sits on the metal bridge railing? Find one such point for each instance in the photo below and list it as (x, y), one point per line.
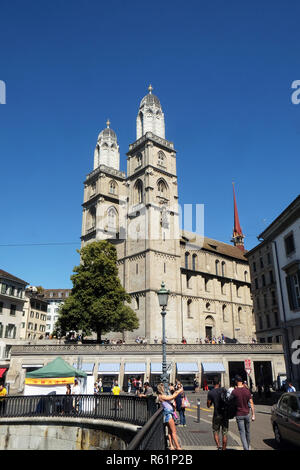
(152, 435)
(130, 409)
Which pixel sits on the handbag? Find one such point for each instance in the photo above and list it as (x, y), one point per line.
(185, 403)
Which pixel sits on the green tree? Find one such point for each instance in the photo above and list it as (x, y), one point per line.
(97, 302)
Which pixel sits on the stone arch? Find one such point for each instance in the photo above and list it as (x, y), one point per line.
(210, 327)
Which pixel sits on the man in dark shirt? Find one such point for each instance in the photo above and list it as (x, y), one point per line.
(219, 420)
(243, 398)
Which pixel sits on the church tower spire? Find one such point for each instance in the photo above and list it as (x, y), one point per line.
(107, 149)
(237, 236)
(150, 116)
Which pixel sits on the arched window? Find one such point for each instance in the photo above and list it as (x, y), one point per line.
(217, 267)
(187, 260)
(161, 158)
(194, 262)
(224, 312)
(139, 159)
(113, 187)
(223, 266)
(240, 317)
(207, 306)
(246, 276)
(162, 188)
(92, 217)
(138, 192)
(112, 219)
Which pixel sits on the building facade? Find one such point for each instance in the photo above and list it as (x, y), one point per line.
(283, 234)
(12, 300)
(54, 299)
(209, 281)
(264, 293)
(33, 324)
(121, 362)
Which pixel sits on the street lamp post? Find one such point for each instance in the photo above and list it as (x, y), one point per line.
(163, 295)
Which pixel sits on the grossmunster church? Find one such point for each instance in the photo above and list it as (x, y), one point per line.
(208, 280)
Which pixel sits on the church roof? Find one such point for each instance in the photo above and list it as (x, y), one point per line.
(150, 100)
(107, 132)
(213, 246)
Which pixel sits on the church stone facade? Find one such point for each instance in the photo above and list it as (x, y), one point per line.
(208, 280)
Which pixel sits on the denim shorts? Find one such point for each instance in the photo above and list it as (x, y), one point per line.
(167, 416)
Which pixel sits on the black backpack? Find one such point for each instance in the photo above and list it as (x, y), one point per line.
(227, 406)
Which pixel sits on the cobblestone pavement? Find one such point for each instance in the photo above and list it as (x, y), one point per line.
(199, 436)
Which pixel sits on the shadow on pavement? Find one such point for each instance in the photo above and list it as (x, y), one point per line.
(285, 446)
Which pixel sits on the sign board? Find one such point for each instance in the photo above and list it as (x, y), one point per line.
(247, 364)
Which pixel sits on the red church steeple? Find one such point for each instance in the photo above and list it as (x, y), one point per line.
(237, 236)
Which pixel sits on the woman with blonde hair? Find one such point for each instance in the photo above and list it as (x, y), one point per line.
(168, 410)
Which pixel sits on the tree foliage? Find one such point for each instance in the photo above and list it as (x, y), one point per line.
(97, 302)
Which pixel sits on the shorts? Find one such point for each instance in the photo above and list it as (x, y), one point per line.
(167, 416)
(220, 422)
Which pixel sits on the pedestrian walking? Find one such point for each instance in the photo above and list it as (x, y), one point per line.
(129, 385)
(219, 420)
(243, 398)
(168, 413)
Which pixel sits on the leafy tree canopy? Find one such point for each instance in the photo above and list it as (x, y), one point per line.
(97, 302)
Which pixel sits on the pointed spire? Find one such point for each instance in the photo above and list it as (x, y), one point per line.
(237, 236)
(150, 88)
(108, 123)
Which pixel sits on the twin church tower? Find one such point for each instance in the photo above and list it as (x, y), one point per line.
(139, 213)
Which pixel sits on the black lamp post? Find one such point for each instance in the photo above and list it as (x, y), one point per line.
(163, 295)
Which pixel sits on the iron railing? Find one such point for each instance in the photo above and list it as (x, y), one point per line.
(130, 409)
(152, 435)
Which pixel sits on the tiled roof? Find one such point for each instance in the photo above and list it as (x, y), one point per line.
(212, 245)
(6, 275)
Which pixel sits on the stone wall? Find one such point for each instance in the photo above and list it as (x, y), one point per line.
(61, 434)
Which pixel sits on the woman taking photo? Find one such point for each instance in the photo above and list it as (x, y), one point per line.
(166, 402)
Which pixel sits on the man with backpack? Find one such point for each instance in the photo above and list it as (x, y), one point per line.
(217, 398)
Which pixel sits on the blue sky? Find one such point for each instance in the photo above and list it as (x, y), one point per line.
(222, 71)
